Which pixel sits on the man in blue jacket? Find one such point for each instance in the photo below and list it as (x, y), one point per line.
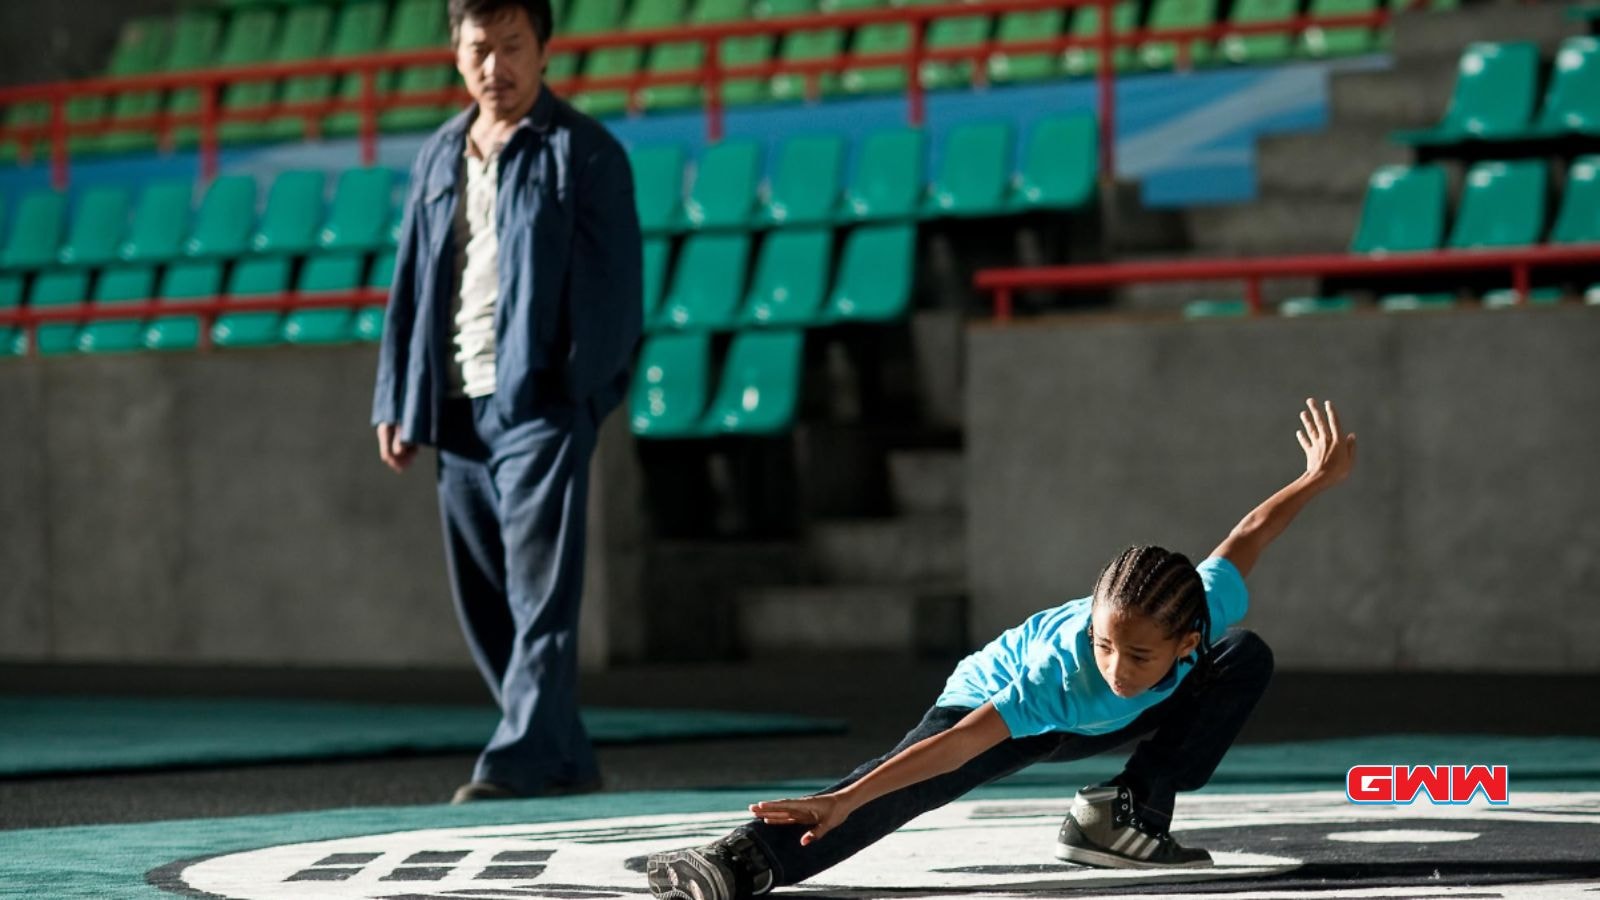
(512, 321)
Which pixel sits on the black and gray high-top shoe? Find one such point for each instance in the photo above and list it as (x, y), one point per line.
(1102, 829)
(733, 868)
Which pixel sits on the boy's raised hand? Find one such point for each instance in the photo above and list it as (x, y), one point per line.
(1330, 455)
(823, 813)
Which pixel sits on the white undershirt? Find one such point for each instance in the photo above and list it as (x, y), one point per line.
(478, 274)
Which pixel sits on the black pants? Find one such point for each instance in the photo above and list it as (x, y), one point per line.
(1189, 733)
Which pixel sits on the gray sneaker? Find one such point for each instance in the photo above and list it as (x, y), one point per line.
(1102, 829)
(733, 868)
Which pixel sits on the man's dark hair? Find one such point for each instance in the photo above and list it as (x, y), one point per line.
(485, 10)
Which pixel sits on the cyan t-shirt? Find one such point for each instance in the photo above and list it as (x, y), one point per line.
(1041, 675)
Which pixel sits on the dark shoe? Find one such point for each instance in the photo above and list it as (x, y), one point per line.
(474, 791)
(733, 868)
(1103, 830)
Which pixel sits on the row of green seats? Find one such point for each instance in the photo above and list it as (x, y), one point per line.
(794, 284)
(758, 393)
(977, 177)
(107, 227)
(958, 33)
(1502, 204)
(1496, 96)
(1502, 298)
(207, 37)
(189, 280)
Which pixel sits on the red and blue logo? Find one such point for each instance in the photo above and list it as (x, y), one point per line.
(1442, 785)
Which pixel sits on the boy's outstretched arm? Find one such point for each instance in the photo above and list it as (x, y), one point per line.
(1329, 458)
(944, 752)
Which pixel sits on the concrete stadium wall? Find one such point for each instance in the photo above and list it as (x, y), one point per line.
(47, 41)
(1468, 538)
(231, 509)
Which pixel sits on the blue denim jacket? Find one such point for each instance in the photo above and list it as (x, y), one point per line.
(569, 310)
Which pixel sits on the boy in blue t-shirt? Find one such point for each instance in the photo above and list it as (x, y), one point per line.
(1134, 658)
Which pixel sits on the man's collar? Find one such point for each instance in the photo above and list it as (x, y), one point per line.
(540, 118)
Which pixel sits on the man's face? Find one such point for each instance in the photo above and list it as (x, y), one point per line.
(501, 61)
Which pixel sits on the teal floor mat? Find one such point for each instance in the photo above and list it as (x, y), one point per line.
(45, 735)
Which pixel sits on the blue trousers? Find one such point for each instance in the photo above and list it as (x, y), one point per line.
(513, 497)
(1189, 733)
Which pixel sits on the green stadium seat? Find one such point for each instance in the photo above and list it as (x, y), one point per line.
(1591, 297)
(874, 283)
(97, 228)
(1496, 88)
(809, 46)
(1416, 302)
(1059, 165)
(585, 17)
(807, 183)
(656, 253)
(888, 180)
(10, 291)
(1019, 28)
(1177, 15)
(1316, 306)
(965, 32)
(1502, 204)
(1578, 221)
(1506, 298)
(724, 191)
(1403, 211)
(759, 391)
(791, 279)
(671, 385)
(1081, 61)
(419, 25)
(368, 325)
(24, 115)
(35, 237)
(160, 223)
(358, 30)
(1216, 309)
(658, 188)
(877, 39)
(304, 36)
(1572, 103)
(1344, 40)
(293, 216)
(62, 287)
(708, 284)
(359, 217)
(615, 62)
(975, 174)
(227, 216)
(252, 37)
(198, 280)
(142, 45)
(206, 42)
(689, 56)
(1259, 48)
(268, 276)
(130, 284)
(196, 34)
(322, 274)
(756, 50)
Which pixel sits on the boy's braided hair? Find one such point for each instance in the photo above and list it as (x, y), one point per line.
(1158, 583)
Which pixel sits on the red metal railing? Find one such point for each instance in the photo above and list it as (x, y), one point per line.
(1518, 262)
(711, 76)
(209, 309)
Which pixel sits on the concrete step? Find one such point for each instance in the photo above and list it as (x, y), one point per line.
(927, 481)
(911, 620)
(1441, 36)
(890, 551)
(1409, 96)
(1275, 226)
(1335, 164)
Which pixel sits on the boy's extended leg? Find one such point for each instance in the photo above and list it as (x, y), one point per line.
(1126, 821)
(758, 857)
